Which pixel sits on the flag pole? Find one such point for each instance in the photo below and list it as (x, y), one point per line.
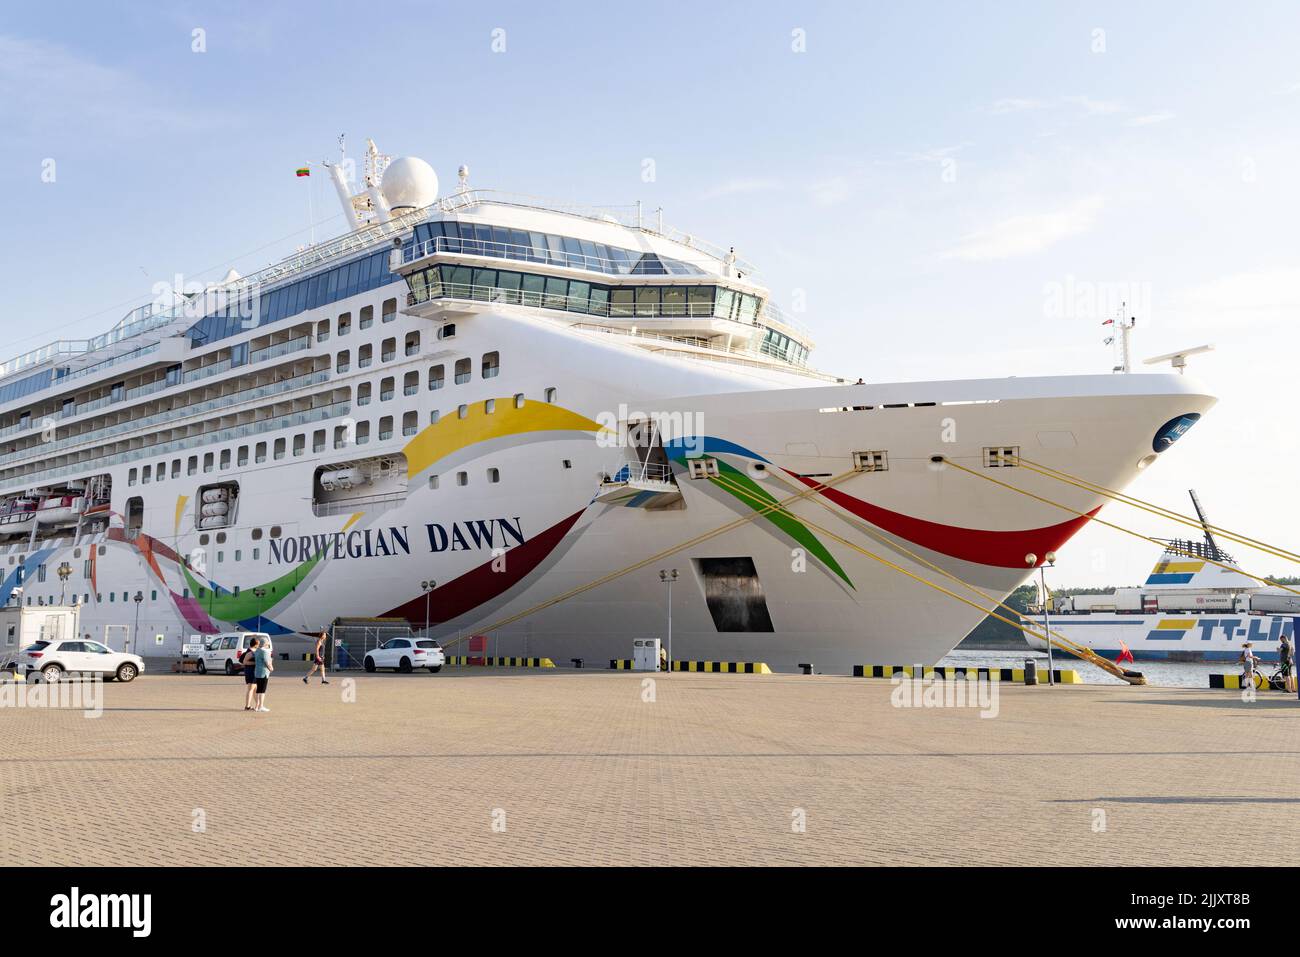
(311, 209)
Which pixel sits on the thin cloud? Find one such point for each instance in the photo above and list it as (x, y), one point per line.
(1150, 119)
(1015, 105)
(743, 185)
(1090, 106)
(44, 87)
(1027, 234)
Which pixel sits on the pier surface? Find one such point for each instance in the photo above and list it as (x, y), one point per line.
(576, 767)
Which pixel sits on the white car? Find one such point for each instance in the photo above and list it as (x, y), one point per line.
(406, 654)
(221, 652)
(54, 659)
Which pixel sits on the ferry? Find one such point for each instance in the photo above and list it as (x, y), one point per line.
(1196, 605)
(486, 413)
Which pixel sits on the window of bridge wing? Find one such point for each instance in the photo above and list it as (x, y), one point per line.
(508, 283)
(724, 304)
(647, 300)
(557, 291)
(578, 294)
(621, 302)
(458, 280)
(484, 281)
(700, 300)
(673, 301)
(532, 290)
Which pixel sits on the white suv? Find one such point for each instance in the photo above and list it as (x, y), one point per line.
(54, 659)
(222, 652)
(406, 654)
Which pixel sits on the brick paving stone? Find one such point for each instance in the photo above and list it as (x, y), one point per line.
(586, 772)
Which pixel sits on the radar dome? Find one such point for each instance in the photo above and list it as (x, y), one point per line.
(409, 183)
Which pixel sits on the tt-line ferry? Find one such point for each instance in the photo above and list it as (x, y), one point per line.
(1196, 605)
(468, 405)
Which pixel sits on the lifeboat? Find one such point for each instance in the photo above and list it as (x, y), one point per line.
(59, 510)
(17, 516)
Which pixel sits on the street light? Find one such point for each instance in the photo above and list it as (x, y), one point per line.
(667, 578)
(428, 587)
(259, 594)
(135, 637)
(1048, 559)
(64, 572)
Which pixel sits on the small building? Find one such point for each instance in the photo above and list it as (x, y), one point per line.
(21, 625)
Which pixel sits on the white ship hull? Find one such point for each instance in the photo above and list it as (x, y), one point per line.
(828, 604)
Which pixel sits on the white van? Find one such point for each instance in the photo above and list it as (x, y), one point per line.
(221, 652)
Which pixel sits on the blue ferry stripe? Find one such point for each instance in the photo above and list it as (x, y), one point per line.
(1170, 579)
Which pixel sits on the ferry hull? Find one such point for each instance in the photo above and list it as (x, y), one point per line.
(1173, 637)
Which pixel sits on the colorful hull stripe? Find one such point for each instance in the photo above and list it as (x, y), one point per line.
(1001, 549)
(479, 585)
(453, 433)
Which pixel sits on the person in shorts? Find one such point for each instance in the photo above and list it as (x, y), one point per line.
(262, 668)
(318, 660)
(248, 658)
(1247, 662)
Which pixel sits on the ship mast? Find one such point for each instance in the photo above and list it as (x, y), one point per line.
(1211, 547)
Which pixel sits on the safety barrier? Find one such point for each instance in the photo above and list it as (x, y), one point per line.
(711, 667)
(481, 661)
(1234, 683)
(14, 675)
(1064, 676)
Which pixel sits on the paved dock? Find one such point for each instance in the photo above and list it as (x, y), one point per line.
(576, 767)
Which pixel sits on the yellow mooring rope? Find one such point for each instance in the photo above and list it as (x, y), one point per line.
(1102, 521)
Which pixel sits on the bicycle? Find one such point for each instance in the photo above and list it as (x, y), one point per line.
(1276, 681)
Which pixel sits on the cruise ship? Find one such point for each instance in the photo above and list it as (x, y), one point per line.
(489, 414)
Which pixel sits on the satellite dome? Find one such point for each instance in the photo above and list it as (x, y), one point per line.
(409, 183)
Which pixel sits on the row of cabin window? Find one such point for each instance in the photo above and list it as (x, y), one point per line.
(463, 369)
(387, 352)
(365, 319)
(462, 478)
(410, 426)
(85, 599)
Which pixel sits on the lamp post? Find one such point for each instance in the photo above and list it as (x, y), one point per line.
(135, 636)
(65, 572)
(259, 594)
(1048, 559)
(667, 578)
(428, 586)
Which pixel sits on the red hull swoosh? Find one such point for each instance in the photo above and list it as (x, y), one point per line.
(482, 584)
(1001, 549)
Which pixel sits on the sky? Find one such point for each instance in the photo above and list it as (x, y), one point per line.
(940, 190)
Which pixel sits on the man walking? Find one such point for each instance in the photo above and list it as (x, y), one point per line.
(318, 660)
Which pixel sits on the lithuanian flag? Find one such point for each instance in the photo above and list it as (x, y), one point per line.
(304, 171)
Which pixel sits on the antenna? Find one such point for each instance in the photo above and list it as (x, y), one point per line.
(1210, 544)
(1179, 359)
(1125, 327)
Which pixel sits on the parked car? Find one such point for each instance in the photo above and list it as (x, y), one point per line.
(54, 659)
(221, 652)
(406, 654)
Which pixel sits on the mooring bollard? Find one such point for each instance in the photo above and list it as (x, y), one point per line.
(1031, 671)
